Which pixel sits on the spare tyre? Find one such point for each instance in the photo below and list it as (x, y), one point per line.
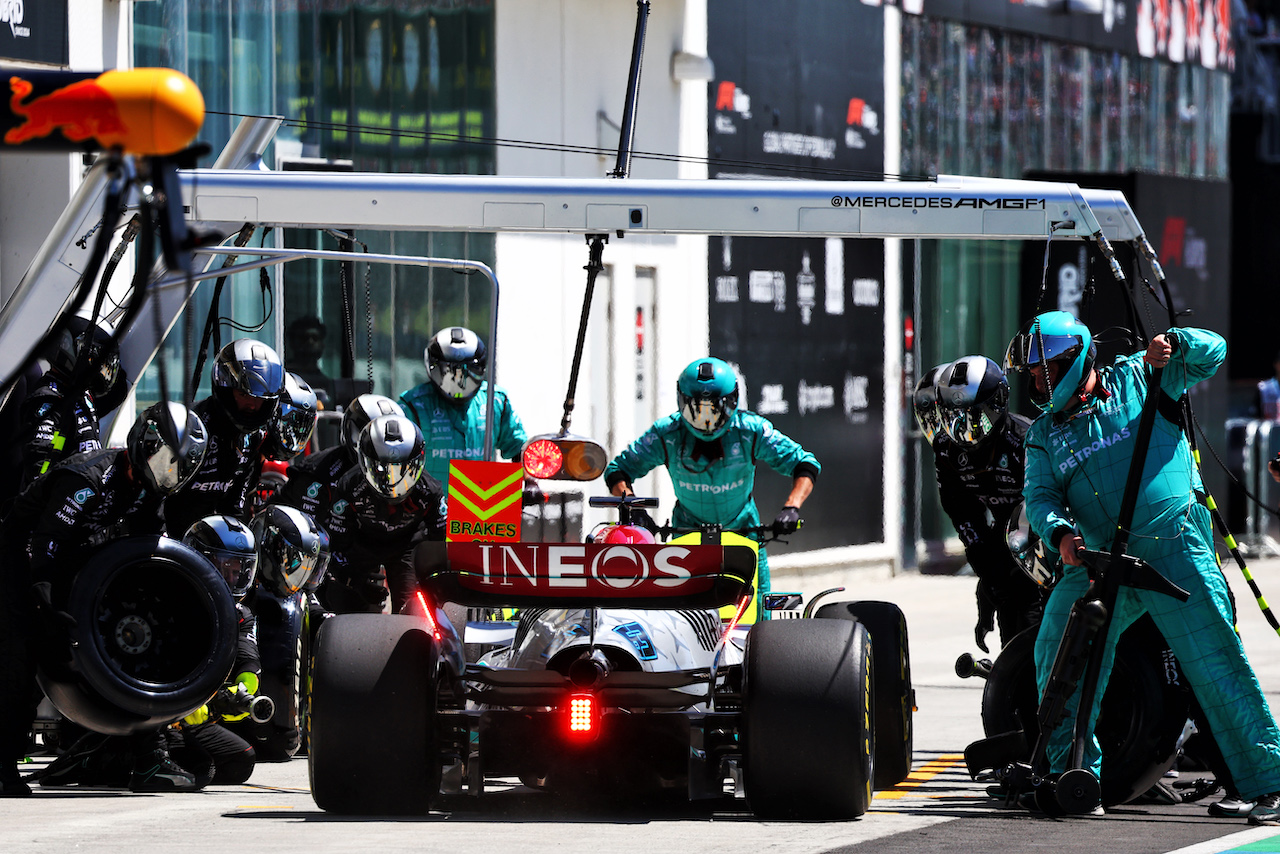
(154, 637)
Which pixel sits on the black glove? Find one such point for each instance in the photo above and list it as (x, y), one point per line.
(986, 617)
(641, 517)
(371, 588)
(532, 494)
(787, 521)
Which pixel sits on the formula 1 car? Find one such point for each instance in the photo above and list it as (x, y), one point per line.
(619, 675)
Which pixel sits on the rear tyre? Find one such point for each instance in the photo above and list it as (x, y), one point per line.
(808, 728)
(895, 698)
(1143, 711)
(374, 673)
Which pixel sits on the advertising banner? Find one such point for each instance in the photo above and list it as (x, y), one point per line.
(34, 30)
(799, 92)
(1177, 30)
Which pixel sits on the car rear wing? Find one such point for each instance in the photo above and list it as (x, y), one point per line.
(527, 575)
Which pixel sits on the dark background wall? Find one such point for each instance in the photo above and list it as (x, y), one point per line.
(799, 91)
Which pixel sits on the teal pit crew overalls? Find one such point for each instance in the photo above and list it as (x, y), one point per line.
(715, 491)
(1075, 476)
(455, 431)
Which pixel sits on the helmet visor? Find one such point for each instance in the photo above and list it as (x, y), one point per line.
(393, 480)
(1029, 349)
(967, 425)
(108, 370)
(163, 469)
(927, 416)
(706, 416)
(239, 569)
(293, 428)
(458, 379)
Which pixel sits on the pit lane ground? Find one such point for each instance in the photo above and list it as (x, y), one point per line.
(938, 809)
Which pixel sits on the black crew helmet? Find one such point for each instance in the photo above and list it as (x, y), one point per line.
(455, 359)
(289, 548)
(102, 355)
(391, 454)
(166, 446)
(924, 402)
(290, 428)
(230, 546)
(360, 412)
(1036, 558)
(973, 399)
(253, 369)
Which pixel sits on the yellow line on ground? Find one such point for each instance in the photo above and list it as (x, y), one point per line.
(921, 775)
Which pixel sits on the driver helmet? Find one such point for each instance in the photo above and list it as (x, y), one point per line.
(166, 446)
(247, 379)
(455, 360)
(973, 399)
(294, 420)
(290, 548)
(103, 354)
(360, 412)
(626, 534)
(230, 546)
(925, 403)
(707, 391)
(391, 454)
(1033, 555)
(1063, 348)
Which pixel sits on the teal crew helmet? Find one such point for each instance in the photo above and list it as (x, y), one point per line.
(1055, 337)
(707, 392)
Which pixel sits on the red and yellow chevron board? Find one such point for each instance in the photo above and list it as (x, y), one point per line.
(484, 501)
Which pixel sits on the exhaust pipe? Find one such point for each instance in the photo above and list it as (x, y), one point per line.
(589, 670)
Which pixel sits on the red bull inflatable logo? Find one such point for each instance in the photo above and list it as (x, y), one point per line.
(144, 111)
(81, 111)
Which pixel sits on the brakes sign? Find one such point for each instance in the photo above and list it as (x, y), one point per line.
(591, 569)
(484, 501)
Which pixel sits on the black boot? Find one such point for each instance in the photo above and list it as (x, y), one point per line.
(11, 784)
(154, 771)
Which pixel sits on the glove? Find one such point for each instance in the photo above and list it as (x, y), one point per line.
(641, 517)
(371, 589)
(196, 718)
(532, 494)
(787, 521)
(986, 617)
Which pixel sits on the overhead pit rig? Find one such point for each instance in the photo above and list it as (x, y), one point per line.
(238, 189)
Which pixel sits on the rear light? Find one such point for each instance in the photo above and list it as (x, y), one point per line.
(564, 456)
(427, 613)
(582, 716)
(543, 459)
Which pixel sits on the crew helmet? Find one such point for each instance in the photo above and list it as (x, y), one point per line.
(360, 412)
(289, 548)
(707, 391)
(973, 399)
(252, 370)
(1033, 555)
(1054, 337)
(925, 402)
(230, 546)
(391, 454)
(103, 354)
(166, 446)
(455, 359)
(291, 426)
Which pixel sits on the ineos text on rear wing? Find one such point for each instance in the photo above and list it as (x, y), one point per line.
(585, 574)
